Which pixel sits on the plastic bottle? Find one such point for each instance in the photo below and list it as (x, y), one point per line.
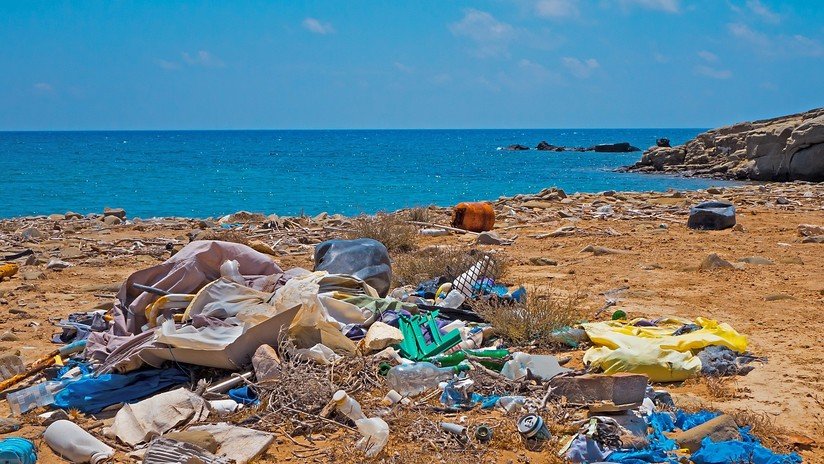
(414, 379)
(454, 299)
(375, 433)
(74, 444)
(41, 394)
(509, 403)
(453, 359)
(348, 406)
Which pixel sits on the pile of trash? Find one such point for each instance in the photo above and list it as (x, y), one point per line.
(216, 352)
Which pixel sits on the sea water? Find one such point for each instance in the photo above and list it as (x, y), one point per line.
(288, 172)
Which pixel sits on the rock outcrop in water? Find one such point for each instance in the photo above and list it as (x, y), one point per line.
(779, 149)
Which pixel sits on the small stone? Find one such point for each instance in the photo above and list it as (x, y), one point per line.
(608, 193)
(266, 363)
(713, 262)
(778, 297)
(30, 233)
(320, 217)
(541, 261)
(73, 215)
(57, 265)
(715, 191)
(116, 212)
(9, 425)
(564, 231)
(756, 260)
(808, 230)
(782, 201)
(738, 228)
(32, 274)
(56, 217)
(71, 252)
(9, 336)
(112, 220)
(489, 238)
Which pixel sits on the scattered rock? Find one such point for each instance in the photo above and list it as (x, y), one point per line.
(808, 230)
(782, 201)
(813, 239)
(778, 297)
(516, 147)
(662, 142)
(564, 231)
(620, 147)
(30, 233)
(73, 215)
(9, 336)
(71, 252)
(112, 220)
(116, 212)
(738, 228)
(618, 389)
(56, 217)
(599, 250)
(756, 260)
(57, 265)
(540, 261)
(713, 261)
(242, 216)
(32, 274)
(9, 425)
(491, 238)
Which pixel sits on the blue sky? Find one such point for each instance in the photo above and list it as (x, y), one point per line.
(406, 64)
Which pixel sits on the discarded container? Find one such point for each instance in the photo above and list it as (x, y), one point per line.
(510, 403)
(8, 269)
(454, 299)
(394, 397)
(375, 433)
(483, 433)
(71, 442)
(465, 283)
(455, 429)
(712, 215)
(35, 396)
(474, 217)
(488, 358)
(225, 407)
(348, 406)
(15, 450)
(414, 379)
(532, 427)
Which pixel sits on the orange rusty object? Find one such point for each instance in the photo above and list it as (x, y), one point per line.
(475, 217)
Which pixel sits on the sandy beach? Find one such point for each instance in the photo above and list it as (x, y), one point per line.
(653, 273)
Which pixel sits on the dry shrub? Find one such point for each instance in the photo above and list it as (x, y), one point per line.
(720, 388)
(763, 426)
(450, 262)
(420, 214)
(394, 232)
(224, 235)
(533, 320)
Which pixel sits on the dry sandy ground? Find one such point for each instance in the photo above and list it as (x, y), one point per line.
(659, 271)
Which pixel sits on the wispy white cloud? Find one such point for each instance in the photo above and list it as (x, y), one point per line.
(316, 26)
(708, 56)
(779, 45)
(708, 71)
(580, 68)
(168, 65)
(669, 6)
(763, 12)
(491, 36)
(441, 79)
(557, 9)
(660, 57)
(403, 68)
(202, 58)
(43, 88)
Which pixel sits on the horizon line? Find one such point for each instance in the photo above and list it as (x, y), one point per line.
(6, 131)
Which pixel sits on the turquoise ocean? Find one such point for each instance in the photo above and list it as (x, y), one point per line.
(288, 172)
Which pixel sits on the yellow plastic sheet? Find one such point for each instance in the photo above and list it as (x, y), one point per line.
(654, 351)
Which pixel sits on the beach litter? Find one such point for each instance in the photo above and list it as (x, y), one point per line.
(217, 352)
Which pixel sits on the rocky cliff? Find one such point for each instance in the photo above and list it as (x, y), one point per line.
(779, 149)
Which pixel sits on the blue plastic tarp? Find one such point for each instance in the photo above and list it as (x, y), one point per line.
(91, 394)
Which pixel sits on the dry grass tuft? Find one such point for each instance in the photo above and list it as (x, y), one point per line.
(420, 214)
(763, 426)
(394, 232)
(450, 262)
(532, 321)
